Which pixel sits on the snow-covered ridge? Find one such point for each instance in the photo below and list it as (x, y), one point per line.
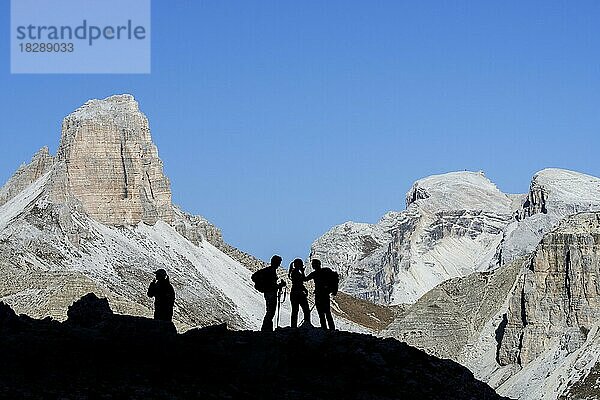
(458, 191)
(116, 104)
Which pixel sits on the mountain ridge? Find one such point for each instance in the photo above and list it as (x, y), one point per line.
(454, 224)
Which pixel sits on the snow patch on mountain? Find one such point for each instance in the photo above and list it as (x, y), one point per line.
(458, 191)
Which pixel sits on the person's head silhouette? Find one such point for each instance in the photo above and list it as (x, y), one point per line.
(298, 264)
(316, 264)
(161, 274)
(276, 261)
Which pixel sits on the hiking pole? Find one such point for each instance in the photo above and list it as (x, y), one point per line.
(278, 305)
(279, 302)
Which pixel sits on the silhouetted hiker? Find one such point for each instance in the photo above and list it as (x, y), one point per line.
(298, 293)
(265, 281)
(164, 296)
(326, 282)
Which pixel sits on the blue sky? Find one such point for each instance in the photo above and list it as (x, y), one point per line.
(278, 119)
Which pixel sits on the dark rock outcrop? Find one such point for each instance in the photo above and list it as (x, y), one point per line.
(89, 311)
(138, 358)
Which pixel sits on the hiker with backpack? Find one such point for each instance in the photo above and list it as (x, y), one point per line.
(326, 283)
(298, 293)
(265, 281)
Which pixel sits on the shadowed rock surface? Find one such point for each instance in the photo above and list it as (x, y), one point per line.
(119, 356)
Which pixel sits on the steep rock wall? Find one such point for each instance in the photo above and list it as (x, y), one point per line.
(558, 297)
(112, 166)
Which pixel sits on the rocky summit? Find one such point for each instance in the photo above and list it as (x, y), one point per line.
(112, 166)
(98, 354)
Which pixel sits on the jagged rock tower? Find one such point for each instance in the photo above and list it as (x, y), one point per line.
(112, 166)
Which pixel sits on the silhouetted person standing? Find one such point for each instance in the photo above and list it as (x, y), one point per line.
(164, 296)
(323, 287)
(270, 292)
(298, 293)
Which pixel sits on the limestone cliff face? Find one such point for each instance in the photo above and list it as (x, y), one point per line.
(349, 243)
(558, 296)
(446, 318)
(531, 328)
(111, 165)
(560, 193)
(195, 228)
(454, 224)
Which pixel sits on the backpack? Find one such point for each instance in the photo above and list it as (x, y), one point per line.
(261, 279)
(331, 280)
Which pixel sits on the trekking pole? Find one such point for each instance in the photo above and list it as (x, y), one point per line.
(279, 301)
(278, 304)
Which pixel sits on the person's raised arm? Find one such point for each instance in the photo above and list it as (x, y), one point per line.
(152, 289)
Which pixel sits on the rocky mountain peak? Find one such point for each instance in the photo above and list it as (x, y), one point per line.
(560, 191)
(117, 104)
(40, 164)
(454, 224)
(458, 190)
(111, 164)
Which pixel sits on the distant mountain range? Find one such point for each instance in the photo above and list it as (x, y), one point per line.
(453, 225)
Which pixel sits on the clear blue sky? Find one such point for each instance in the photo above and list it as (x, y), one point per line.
(278, 119)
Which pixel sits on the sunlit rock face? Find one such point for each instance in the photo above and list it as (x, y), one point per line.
(112, 166)
(98, 217)
(40, 164)
(558, 294)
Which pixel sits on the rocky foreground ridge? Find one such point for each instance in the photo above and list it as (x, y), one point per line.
(98, 354)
